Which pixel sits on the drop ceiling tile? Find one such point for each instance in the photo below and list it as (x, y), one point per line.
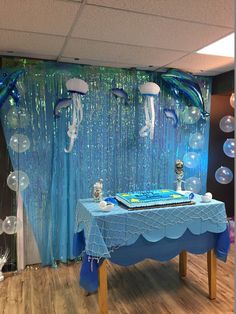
(30, 44)
(198, 63)
(215, 12)
(94, 62)
(44, 16)
(132, 55)
(137, 29)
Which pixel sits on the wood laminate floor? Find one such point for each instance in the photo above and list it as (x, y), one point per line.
(149, 287)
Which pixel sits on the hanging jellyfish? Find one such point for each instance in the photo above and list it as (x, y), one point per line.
(76, 87)
(149, 90)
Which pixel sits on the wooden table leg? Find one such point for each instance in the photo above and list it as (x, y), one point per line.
(211, 267)
(102, 289)
(183, 263)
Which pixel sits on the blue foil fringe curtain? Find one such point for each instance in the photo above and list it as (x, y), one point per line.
(108, 145)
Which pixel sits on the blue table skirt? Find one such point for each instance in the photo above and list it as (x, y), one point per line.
(162, 250)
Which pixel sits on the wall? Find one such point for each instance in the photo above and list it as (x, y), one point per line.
(220, 107)
(7, 203)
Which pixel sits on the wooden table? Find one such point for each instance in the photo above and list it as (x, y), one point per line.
(93, 222)
(211, 267)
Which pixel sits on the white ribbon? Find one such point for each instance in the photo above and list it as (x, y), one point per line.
(76, 120)
(149, 110)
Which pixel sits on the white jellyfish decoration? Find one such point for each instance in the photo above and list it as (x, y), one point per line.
(149, 90)
(20, 143)
(77, 87)
(18, 181)
(229, 147)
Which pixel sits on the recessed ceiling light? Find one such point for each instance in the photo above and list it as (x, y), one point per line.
(223, 47)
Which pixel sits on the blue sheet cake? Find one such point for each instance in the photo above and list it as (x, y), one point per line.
(152, 198)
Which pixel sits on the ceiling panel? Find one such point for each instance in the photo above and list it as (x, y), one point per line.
(28, 43)
(94, 62)
(215, 12)
(132, 28)
(143, 56)
(199, 63)
(44, 16)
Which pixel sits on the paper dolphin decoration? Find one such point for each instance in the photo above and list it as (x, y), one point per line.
(8, 87)
(76, 87)
(149, 90)
(186, 84)
(119, 92)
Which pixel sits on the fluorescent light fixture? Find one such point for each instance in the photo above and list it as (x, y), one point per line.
(223, 47)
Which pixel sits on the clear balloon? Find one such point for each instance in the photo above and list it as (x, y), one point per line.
(1, 229)
(19, 143)
(190, 115)
(196, 140)
(223, 175)
(227, 124)
(18, 118)
(231, 100)
(228, 147)
(11, 225)
(193, 184)
(191, 159)
(18, 181)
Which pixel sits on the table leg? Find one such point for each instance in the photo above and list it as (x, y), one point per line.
(183, 263)
(102, 289)
(211, 266)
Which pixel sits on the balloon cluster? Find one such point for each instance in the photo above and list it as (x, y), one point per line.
(224, 175)
(10, 225)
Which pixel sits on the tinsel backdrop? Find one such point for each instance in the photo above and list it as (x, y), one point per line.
(108, 144)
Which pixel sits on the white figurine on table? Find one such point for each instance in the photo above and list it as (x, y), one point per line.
(97, 191)
(179, 165)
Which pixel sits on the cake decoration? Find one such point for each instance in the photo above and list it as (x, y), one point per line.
(162, 197)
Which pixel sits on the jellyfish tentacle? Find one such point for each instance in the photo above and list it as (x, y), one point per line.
(76, 120)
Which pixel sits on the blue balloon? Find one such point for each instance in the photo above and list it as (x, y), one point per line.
(228, 147)
(191, 159)
(223, 175)
(8, 87)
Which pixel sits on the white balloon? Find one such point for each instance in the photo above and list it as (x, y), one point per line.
(19, 143)
(196, 140)
(191, 160)
(193, 184)
(11, 225)
(190, 115)
(227, 124)
(229, 147)
(231, 100)
(18, 118)
(223, 175)
(17, 180)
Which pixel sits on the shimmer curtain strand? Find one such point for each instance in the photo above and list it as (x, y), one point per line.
(108, 144)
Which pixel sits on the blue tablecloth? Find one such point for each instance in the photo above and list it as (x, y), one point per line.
(126, 237)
